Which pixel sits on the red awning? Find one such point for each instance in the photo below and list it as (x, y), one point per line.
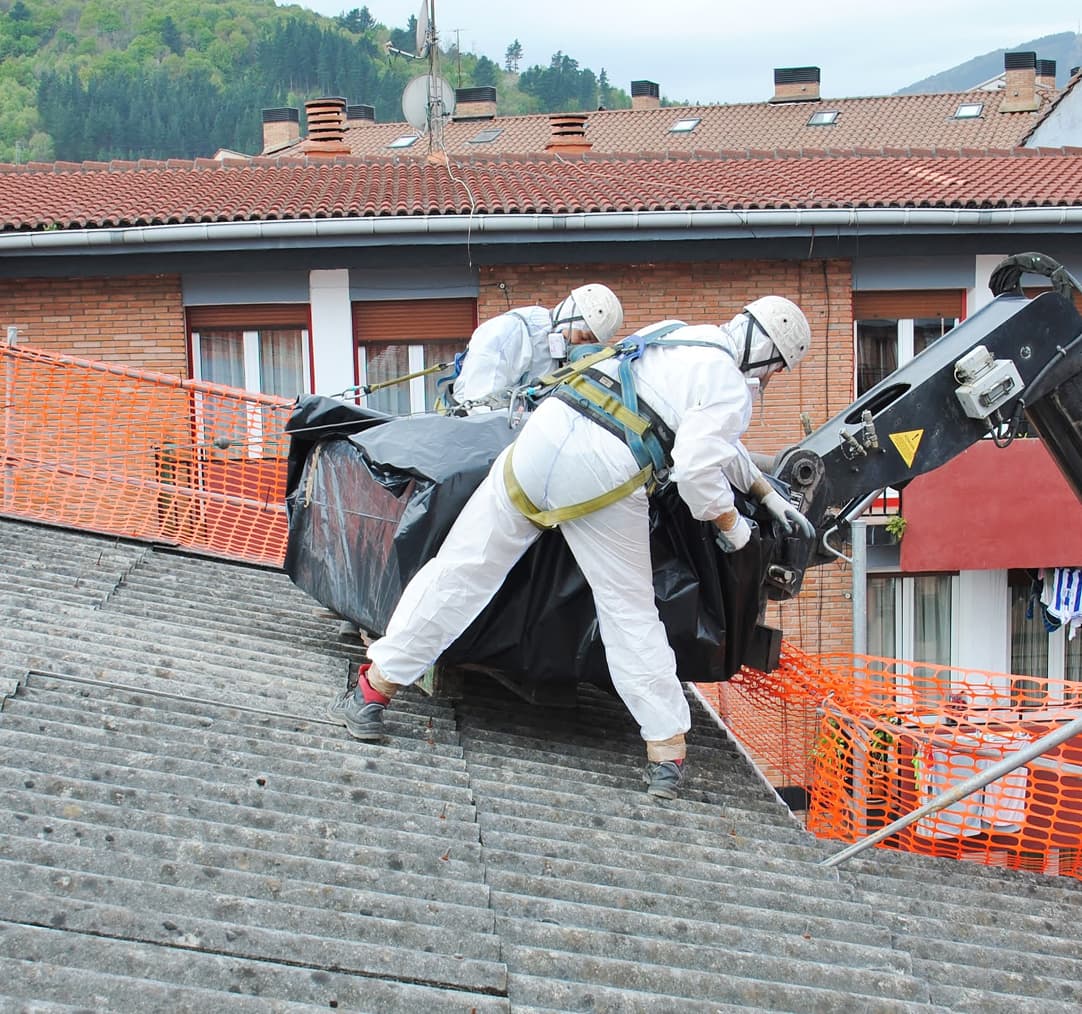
(992, 509)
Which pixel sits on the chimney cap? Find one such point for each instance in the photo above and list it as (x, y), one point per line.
(796, 75)
(283, 114)
(1046, 68)
(360, 112)
(478, 93)
(649, 88)
(1019, 61)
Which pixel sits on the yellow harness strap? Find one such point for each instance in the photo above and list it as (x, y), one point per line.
(609, 404)
(550, 519)
(575, 368)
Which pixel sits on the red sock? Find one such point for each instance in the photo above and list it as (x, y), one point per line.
(370, 695)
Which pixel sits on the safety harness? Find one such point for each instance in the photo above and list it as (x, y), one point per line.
(613, 404)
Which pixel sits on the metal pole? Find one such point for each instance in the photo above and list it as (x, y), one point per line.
(960, 791)
(6, 495)
(858, 533)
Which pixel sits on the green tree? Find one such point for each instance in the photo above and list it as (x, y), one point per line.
(356, 21)
(485, 72)
(512, 57)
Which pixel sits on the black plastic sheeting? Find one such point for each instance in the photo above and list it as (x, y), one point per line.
(371, 497)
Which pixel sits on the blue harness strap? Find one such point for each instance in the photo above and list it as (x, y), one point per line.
(615, 404)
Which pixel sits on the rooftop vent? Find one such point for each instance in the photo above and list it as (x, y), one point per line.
(1020, 83)
(1046, 74)
(568, 133)
(355, 114)
(796, 84)
(281, 127)
(475, 103)
(645, 95)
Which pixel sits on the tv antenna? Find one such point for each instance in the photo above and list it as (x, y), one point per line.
(428, 101)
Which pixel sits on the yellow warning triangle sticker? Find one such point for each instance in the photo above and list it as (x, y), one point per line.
(907, 444)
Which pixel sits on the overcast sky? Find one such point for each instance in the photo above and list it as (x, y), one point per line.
(722, 51)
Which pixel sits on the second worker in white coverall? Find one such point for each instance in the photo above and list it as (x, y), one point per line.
(695, 378)
(524, 344)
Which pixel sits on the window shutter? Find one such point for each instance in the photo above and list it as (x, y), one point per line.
(399, 320)
(902, 304)
(252, 315)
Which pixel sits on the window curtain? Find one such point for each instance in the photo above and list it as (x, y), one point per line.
(387, 362)
(221, 357)
(281, 362)
(931, 630)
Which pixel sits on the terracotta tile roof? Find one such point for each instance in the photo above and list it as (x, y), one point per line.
(900, 121)
(43, 196)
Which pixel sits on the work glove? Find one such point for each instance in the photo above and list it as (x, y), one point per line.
(787, 515)
(735, 538)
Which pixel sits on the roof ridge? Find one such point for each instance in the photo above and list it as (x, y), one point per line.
(266, 162)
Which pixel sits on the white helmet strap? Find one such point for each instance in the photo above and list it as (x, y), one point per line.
(568, 315)
(746, 364)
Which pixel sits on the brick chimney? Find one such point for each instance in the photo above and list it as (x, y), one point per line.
(1020, 77)
(796, 84)
(1046, 74)
(475, 103)
(645, 95)
(360, 114)
(281, 127)
(568, 133)
(326, 128)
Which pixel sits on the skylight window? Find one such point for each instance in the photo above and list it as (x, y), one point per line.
(824, 118)
(684, 126)
(486, 136)
(403, 142)
(969, 110)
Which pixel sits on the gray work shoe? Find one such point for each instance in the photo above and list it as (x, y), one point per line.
(663, 780)
(362, 721)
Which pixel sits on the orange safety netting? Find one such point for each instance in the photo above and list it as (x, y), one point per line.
(128, 452)
(873, 739)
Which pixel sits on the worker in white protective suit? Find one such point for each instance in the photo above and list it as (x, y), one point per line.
(522, 345)
(567, 470)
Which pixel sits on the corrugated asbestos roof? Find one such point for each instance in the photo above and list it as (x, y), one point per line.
(183, 830)
(43, 197)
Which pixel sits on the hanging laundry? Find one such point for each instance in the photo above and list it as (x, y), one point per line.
(1062, 595)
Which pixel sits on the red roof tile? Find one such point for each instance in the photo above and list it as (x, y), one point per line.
(50, 196)
(900, 121)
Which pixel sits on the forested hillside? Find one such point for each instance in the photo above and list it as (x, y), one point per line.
(97, 79)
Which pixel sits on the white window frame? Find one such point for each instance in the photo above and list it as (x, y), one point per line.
(415, 361)
(905, 628)
(250, 357)
(252, 368)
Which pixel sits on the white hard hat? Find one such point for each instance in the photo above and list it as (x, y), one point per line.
(785, 324)
(595, 307)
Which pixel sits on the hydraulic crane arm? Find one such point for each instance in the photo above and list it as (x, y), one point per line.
(1014, 357)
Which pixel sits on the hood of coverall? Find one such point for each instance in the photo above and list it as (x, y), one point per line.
(751, 347)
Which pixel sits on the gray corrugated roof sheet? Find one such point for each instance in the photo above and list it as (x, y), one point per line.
(182, 829)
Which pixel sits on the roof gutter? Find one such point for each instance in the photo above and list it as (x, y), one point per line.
(599, 225)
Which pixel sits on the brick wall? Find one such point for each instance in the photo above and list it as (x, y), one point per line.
(820, 618)
(135, 320)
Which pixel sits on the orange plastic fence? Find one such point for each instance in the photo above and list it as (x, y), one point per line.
(127, 452)
(873, 739)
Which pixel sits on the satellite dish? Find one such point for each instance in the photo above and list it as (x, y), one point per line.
(422, 30)
(427, 99)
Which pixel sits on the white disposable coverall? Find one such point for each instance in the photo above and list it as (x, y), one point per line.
(562, 458)
(504, 352)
